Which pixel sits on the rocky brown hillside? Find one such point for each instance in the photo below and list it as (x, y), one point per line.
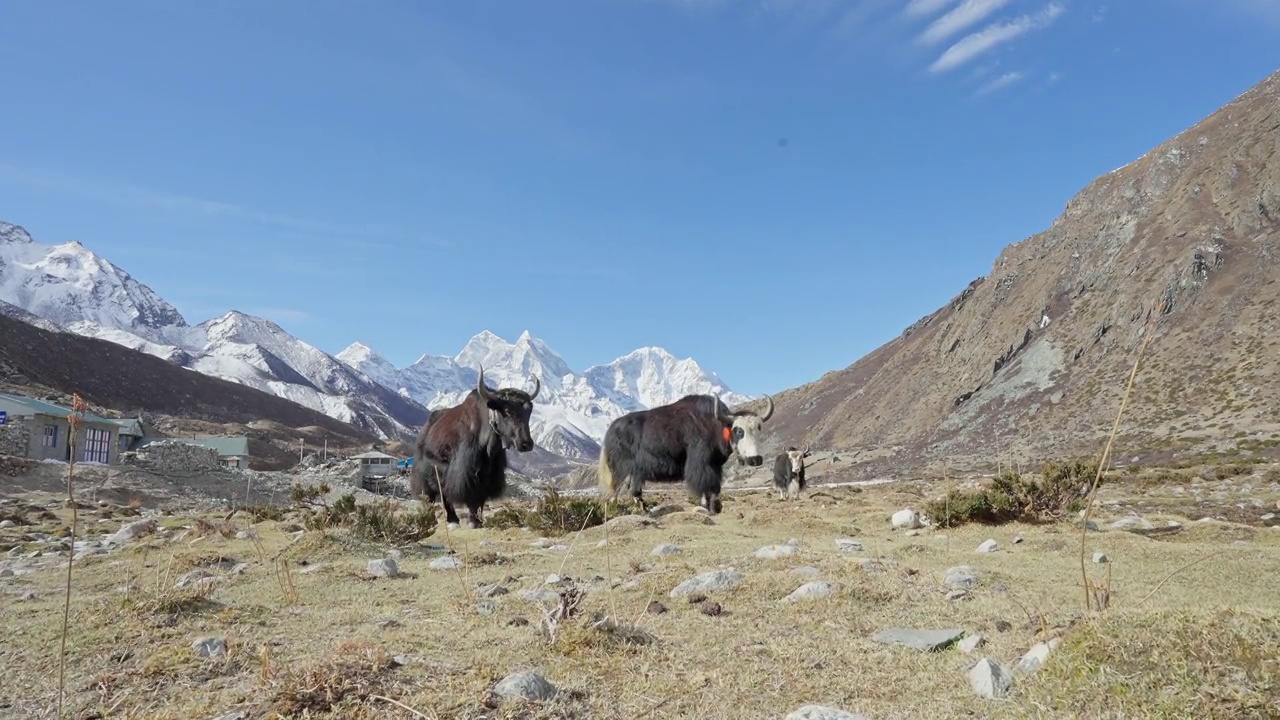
(37, 362)
(1030, 361)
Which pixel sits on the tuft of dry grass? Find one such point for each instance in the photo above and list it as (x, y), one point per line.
(348, 675)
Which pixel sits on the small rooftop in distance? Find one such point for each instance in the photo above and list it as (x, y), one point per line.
(47, 408)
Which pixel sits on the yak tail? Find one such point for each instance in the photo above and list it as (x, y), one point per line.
(607, 487)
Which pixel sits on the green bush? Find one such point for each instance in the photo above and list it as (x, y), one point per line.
(380, 521)
(554, 514)
(1010, 497)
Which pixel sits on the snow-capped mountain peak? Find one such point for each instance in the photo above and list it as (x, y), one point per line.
(67, 283)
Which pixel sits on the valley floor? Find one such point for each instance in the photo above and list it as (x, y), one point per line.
(298, 627)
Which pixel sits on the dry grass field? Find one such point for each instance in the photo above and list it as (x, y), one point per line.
(1193, 627)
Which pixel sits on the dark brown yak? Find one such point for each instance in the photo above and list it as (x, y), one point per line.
(463, 449)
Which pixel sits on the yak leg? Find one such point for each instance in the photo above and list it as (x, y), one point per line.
(450, 515)
(637, 491)
(473, 515)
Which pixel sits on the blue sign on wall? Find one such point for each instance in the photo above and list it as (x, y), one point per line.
(4, 417)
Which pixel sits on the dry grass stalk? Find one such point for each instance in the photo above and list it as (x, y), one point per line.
(74, 420)
(284, 578)
(464, 576)
(1105, 460)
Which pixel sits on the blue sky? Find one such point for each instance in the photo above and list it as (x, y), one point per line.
(774, 187)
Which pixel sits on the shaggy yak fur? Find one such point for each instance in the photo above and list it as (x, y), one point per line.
(462, 450)
(689, 439)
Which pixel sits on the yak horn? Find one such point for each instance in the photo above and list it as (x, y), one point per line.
(768, 413)
(537, 388)
(726, 419)
(480, 388)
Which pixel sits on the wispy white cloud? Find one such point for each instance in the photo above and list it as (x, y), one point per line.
(280, 314)
(999, 83)
(974, 45)
(920, 8)
(132, 196)
(962, 16)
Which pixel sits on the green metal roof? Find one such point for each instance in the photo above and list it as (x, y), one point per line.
(225, 446)
(46, 408)
(130, 426)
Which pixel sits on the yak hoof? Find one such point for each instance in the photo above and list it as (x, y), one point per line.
(451, 526)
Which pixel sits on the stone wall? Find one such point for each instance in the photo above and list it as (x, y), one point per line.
(173, 457)
(14, 437)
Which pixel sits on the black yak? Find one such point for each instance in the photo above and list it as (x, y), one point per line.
(463, 449)
(788, 472)
(689, 439)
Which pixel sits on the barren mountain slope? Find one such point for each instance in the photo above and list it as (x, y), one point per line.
(1182, 243)
(128, 381)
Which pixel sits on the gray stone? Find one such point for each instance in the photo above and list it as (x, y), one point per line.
(907, 519)
(1100, 558)
(960, 576)
(1036, 657)
(1017, 539)
(133, 531)
(6, 524)
(559, 547)
(970, 643)
(199, 575)
(494, 590)
(922, 640)
(811, 591)
(542, 543)
(448, 562)
(822, 712)
(665, 549)
(1132, 522)
(486, 607)
(989, 680)
(666, 509)
(27, 596)
(773, 552)
(538, 595)
(848, 545)
(987, 546)
(525, 685)
(208, 647)
(709, 581)
(383, 567)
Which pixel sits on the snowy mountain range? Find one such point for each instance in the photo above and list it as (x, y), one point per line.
(70, 288)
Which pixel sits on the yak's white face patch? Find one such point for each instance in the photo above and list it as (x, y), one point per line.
(746, 436)
(797, 460)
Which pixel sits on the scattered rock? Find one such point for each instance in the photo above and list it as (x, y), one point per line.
(773, 552)
(6, 524)
(987, 546)
(525, 685)
(709, 582)
(666, 509)
(1003, 626)
(1017, 539)
(199, 575)
(489, 591)
(1100, 558)
(1132, 522)
(712, 609)
(906, 519)
(542, 543)
(486, 607)
(821, 712)
(27, 596)
(1036, 657)
(383, 567)
(539, 595)
(448, 562)
(811, 591)
(923, 640)
(971, 643)
(246, 535)
(558, 547)
(989, 680)
(960, 576)
(133, 531)
(848, 545)
(656, 608)
(665, 549)
(207, 647)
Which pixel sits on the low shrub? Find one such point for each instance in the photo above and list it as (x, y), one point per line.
(555, 514)
(1011, 497)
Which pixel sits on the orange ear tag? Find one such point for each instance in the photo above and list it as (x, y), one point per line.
(728, 435)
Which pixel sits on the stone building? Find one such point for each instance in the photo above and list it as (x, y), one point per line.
(40, 430)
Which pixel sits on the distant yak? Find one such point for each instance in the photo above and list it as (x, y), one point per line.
(689, 439)
(463, 449)
(788, 472)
